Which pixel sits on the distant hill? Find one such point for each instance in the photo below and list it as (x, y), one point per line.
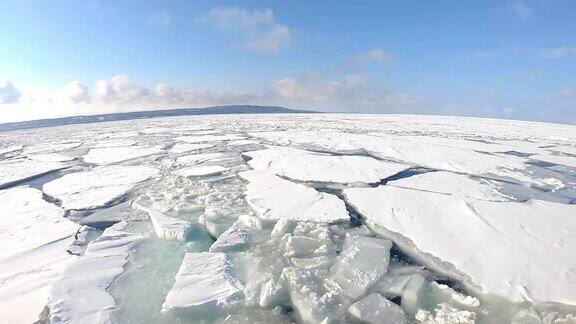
(217, 110)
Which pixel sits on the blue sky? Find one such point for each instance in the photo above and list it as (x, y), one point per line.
(504, 59)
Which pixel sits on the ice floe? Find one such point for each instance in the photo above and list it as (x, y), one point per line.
(34, 236)
(96, 187)
(199, 158)
(185, 147)
(309, 166)
(377, 310)
(204, 284)
(16, 171)
(118, 154)
(274, 198)
(456, 236)
(569, 161)
(166, 227)
(80, 295)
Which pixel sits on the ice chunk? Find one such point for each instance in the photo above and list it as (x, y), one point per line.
(274, 198)
(445, 314)
(34, 236)
(568, 161)
(202, 170)
(199, 158)
(361, 263)
(534, 257)
(391, 286)
(272, 293)
(412, 294)
(204, 284)
(234, 237)
(96, 187)
(118, 154)
(451, 184)
(108, 217)
(310, 166)
(378, 310)
(80, 295)
(166, 227)
(186, 147)
(16, 171)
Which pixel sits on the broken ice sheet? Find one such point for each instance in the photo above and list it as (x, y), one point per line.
(201, 170)
(274, 198)
(318, 167)
(96, 187)
(34, 236)
(118, 154)
(456, 236)
(17, 171)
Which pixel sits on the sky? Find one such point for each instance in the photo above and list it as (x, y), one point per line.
(500, 59)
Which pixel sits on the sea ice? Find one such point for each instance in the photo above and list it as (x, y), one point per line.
(199, 158)
(456, 236)
(185, 147)
(166, 227)
(377, 310)
(51, 157)
(568, 161)
(274, 198)
(318, 167)
(199, 171)
(109, 155)
(80, 295)
(205, 284)
(360, 264)
(34, 236)
(17, 171)
(96, 187)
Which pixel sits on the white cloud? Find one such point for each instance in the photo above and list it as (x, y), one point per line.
(76, 92)
(567, 91)
(255, 31)
(375, 55)
(352, 92)
(8, 93)
(161, 19)
(557, 52)
(521, 10)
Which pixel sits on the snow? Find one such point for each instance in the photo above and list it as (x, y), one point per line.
(452, 184)
(243, 142)
(34, 236)
(199, 158)
(309, 166)
(204, 283)
(209, 138)
(166, 227)
(96, 187)
(378, 310)
(51, 157)
(202, 170)
(185, 147)
(360, 264)
(274, 198)
(80, 295)
(568, 161)
(534, 238)
(107, 155)
(16, 171)
(116, 142)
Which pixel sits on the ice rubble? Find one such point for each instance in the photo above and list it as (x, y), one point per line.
(34, 236)
(204, 284)
(166, 227)
(107, 155)
(202, 170)
(528, 245)
(185, 147)
(317, 167)
(378, 310)
(17, 171)
(80, 294)
(96, 187)
(274, 198)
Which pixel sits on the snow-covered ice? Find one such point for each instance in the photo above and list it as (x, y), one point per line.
(201, 170)
(486, 245)
(317, 218)
(96, 187)
(274, 198)
(205, 283)
(107, 155)
(309, 166)
(34, 236)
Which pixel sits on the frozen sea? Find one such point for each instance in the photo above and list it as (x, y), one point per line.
(313, 218)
